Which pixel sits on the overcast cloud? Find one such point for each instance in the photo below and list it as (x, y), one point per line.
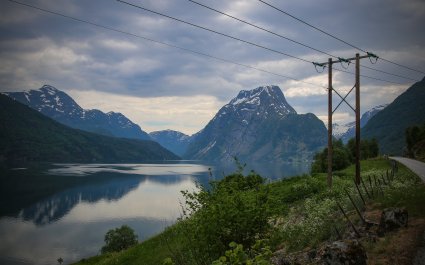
(161, 87)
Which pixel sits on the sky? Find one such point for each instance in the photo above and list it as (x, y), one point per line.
(143, 67)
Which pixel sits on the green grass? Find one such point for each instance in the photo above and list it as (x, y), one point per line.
(306, 210)
(152, 251)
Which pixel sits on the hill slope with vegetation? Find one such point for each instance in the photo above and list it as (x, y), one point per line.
(243, 218)
(27, 135)
(390, 124)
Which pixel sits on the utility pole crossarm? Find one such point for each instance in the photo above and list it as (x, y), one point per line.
(339, 60)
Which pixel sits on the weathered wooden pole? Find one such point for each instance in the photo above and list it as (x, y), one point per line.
(330, 123)
(357, 119)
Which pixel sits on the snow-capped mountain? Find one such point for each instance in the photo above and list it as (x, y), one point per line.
(347, 131)
(339, 130)
(61, 107)
(258, 124)
(174, 141)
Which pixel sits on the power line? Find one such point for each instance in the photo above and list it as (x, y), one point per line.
(310, 25)
(333, 36)
(370, 68)
(289, 39)
(178, 47)
(163, 43)
(226, 35)
(213, 31)
(263, 29)
(407, 67)
(366, 76)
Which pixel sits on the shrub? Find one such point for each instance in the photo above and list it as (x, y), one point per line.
(119, 239)
(232, 210)
(259, 255)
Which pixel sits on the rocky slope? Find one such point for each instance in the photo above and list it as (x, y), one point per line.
(258, 125)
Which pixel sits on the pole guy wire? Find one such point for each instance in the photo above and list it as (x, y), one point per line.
(163, 43)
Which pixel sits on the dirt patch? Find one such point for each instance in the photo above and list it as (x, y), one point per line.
(399, 247)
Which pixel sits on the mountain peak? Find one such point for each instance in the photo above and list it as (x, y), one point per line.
(258, 124)
(262, 100)
(245, 95)
(49, 89)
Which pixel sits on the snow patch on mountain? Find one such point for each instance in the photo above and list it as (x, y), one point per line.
(347, 131)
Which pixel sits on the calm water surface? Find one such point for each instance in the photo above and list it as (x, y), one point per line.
(66, 209)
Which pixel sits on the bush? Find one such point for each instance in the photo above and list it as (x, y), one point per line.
(259, 255)
(119, 239)
(232, 210)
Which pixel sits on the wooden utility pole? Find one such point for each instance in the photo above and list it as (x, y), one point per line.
(356, 110)
(330, 149)
(357, 119)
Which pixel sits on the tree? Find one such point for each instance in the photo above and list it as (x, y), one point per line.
(415, 141)
(344, 155)
(119, 239)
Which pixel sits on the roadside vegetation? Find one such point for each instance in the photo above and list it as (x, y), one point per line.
(246, 219)
(415, 142)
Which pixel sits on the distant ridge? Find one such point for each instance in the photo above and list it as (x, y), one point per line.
(174, 141)
(59, 106)
(26, 135)
(347, 131)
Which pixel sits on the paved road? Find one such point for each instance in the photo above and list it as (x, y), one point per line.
(414, 165)
(419, 168)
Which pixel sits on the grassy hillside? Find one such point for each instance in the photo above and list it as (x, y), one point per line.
(390, 124)
(26, 135)
(303, 215)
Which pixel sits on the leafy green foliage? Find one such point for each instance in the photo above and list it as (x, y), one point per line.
(119, 239)
(311, 226)
(407, 191)
(232, 210)
(343, 156)
(259, 255)
(415, 142)
(27, 135)
(368, 148)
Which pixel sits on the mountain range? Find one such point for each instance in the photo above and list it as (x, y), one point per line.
(27, 135)
(347, 131)
(61, 107)
(176, 142)
(258, 125)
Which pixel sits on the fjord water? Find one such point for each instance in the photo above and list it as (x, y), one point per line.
(64, 210)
